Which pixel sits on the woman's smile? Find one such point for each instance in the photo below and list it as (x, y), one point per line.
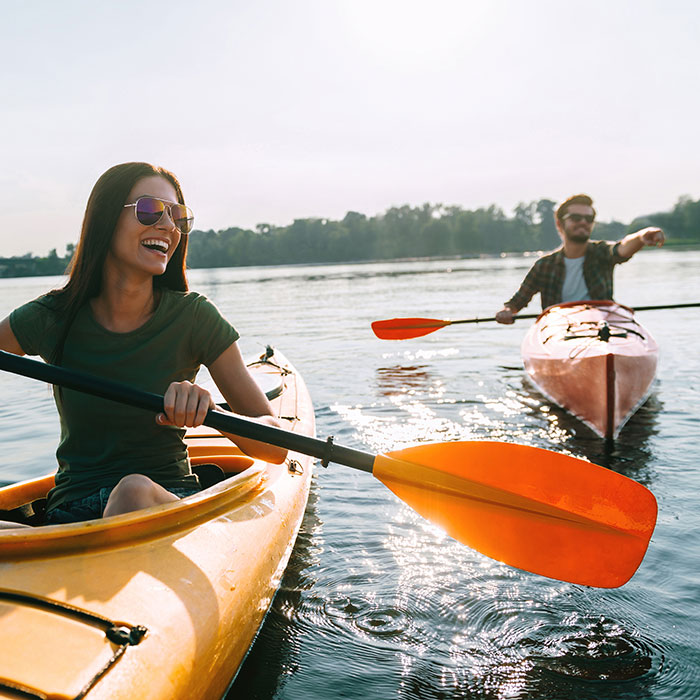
(154, 244)
(160, 246)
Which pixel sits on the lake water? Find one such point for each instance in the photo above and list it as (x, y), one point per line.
(377, 603)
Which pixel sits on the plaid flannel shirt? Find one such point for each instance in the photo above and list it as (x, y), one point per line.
(546, 276)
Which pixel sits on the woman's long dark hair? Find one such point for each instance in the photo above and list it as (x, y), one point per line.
(104, 208)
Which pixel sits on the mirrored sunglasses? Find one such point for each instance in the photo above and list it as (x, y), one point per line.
(149, 211)
(577, 218)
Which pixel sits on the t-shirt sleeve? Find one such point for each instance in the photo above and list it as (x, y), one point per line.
(211, 332)
(35, 327)
(615, 253)
(529, 287)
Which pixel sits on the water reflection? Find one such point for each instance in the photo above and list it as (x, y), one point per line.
(409, 613)
(398, 379)
(273, 658)
(376, 603)
(630, 454)
(443, 621)
(382, 272)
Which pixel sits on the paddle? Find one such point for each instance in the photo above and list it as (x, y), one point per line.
(405, 328)
(537, 510)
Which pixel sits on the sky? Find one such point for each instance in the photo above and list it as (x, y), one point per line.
(275, 110)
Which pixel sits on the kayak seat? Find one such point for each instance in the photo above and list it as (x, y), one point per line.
(228, 463)
(211, 469)
(26, 514)
(209, 474)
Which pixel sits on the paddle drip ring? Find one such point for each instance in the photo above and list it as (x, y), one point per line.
(327, 453)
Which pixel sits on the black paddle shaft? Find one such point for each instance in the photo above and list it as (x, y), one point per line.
(523, 317)
(325, 450)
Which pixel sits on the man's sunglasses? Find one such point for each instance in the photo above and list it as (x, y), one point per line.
(577, 218)
(149, 211)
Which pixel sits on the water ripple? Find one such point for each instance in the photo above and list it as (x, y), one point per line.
(376, 603)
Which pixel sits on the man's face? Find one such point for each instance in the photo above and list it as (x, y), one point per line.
(577, 224)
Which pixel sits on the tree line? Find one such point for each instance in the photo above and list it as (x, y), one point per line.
(430, 230)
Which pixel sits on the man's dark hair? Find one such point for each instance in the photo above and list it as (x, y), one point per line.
(576, 199)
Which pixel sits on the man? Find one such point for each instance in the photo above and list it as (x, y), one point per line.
(580, 269)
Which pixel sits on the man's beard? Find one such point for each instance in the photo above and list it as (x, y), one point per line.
(579, 236)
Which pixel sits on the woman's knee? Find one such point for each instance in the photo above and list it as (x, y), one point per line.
(135, 492)
(134, 487)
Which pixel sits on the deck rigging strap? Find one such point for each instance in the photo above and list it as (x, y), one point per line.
(284, 371)
(21, 691)
(264, 359)
(603, 334)
(120, 634)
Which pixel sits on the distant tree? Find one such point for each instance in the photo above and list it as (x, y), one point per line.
(612, 230)
(525, 213)
(687, 213)
(524, 227)
(549, 236)
(404, 231)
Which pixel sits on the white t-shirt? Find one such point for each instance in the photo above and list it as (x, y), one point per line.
(574, 288)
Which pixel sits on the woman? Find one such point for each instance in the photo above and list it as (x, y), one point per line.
(125, 314)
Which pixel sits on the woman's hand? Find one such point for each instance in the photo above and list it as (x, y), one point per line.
(186, 405)
(245, 398)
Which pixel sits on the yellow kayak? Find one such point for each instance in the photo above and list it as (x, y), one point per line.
(163, 602)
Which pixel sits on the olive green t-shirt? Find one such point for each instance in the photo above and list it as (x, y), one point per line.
(102, 441)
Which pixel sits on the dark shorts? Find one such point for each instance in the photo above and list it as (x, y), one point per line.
(93, 506)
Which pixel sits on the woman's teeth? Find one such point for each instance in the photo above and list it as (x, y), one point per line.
(156, 244)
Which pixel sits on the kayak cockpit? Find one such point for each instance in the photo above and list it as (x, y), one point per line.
(25, 502)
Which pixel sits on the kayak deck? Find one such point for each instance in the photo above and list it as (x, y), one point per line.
(594, 360)
(166, 599)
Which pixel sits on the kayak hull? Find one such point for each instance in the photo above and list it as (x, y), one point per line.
(594, 360)
(194, 578)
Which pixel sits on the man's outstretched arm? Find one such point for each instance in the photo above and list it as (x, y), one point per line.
(632, 242)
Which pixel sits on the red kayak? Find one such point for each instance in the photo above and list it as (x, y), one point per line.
(594, 360)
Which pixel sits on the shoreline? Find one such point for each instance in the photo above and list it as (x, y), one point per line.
(669, 246)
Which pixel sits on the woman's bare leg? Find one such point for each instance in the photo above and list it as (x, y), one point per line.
(9, 525)
(134, 492)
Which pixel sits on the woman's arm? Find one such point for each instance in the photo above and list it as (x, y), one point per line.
(8, 341)
(245, 397)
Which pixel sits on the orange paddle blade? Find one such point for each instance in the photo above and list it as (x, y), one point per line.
(405, 328)
(541, 511)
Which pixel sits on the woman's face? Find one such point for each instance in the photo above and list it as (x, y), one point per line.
(139, 249)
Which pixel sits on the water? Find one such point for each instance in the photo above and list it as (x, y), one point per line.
(377, 603)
